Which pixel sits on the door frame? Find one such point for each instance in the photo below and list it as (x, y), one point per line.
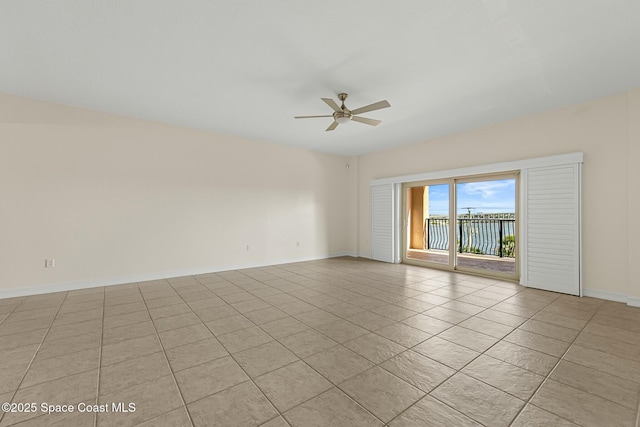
(405, 226)
(452, 182)
(514, 174)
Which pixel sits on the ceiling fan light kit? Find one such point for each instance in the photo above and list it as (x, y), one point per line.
(342, 118)
(342, 114)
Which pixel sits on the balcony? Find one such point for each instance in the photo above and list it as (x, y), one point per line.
(483, 242)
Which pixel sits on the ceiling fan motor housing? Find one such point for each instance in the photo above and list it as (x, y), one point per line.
(342, 117)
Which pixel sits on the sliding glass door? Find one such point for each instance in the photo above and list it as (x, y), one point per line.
(486, 225)
(479, 212)
(427, 213)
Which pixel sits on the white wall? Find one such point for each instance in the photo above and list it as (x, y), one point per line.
(114, 199)
(599, 128)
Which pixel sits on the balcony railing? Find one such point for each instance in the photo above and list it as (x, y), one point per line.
(484, 236)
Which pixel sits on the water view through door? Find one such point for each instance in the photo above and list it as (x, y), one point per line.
(484, 225)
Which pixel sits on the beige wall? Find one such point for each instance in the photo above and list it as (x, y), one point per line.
(115, 198)
(598, 128)
(634, 195)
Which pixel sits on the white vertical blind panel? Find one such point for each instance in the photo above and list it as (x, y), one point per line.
(382, 241)
(553, 228)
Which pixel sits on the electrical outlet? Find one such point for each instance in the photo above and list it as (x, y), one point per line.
(298, 244)
(248, 247)
(49, 263)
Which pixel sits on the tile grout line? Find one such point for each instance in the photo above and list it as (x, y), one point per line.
(24, 299)
(499, 340)
(2, 413)
(548, 376)
(528, 401)
(11, 312)
(299, 360)
(441, 382)
(233, 358)
(166, 359)
(36, 352)
(319, 271)
(378, 365)
(274, 339)
(104, 304)
(459, 371)
(342, 344)
(396, 321)
(137, 357)
(391, 373)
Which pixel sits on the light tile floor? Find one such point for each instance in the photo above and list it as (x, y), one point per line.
(340, 342)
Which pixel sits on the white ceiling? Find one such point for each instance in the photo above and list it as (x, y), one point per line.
(246, 67)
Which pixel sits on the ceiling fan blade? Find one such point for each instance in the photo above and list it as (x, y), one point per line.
(311, 117)
(366, 121)
(331, 103)
(333, 126)
(371, 107)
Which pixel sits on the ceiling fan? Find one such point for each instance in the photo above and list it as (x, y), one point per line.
(342, 114)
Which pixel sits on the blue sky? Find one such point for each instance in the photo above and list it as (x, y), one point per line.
(483, 196)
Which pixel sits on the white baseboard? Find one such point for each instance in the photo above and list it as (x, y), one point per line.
(609, 296)
(110, 281)
(339, 254)
(634, 301)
